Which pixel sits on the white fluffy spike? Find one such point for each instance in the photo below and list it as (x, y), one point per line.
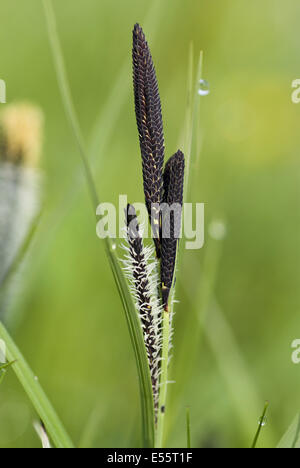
(141, 269)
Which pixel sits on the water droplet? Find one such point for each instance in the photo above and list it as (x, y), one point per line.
(36, 378)
(114, 246)
(262, 421)
(203, 88)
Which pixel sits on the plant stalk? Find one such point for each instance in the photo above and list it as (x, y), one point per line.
(159, 439)
(260, 425)
(188, 428)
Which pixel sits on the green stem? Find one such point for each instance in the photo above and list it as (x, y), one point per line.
(260, 425)
(191, 121)
(159, 439)
(35, 392)
(188, 428)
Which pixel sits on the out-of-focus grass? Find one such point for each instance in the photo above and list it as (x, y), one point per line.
(70, 326)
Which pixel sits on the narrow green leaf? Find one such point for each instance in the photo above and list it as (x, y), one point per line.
(261, 424)
(191, 118)
(291, 438)
(35, 393)
(192, 144)
(188, 428)
(3, 370)
(7, 365)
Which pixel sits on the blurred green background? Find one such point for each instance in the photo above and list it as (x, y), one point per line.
(239, 298)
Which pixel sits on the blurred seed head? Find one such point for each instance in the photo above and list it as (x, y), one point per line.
(217, 230)
(21, 129)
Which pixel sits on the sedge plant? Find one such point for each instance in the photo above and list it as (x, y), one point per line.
(163, 190)
(145, 277)
(153, 384)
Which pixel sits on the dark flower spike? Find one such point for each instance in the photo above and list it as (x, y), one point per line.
(171, 220)
(143, 284)
(150, 128)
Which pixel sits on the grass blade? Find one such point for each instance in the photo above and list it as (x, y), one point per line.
(291, 438)
(192, 144)
(132, 319)
(35, 393)
(3, 369)
(6, 366)
(260, 425)
(188, 428)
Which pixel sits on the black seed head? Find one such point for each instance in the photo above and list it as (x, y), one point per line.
(150, 126)
(171, 220)
(142, 291)
(173, 179)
